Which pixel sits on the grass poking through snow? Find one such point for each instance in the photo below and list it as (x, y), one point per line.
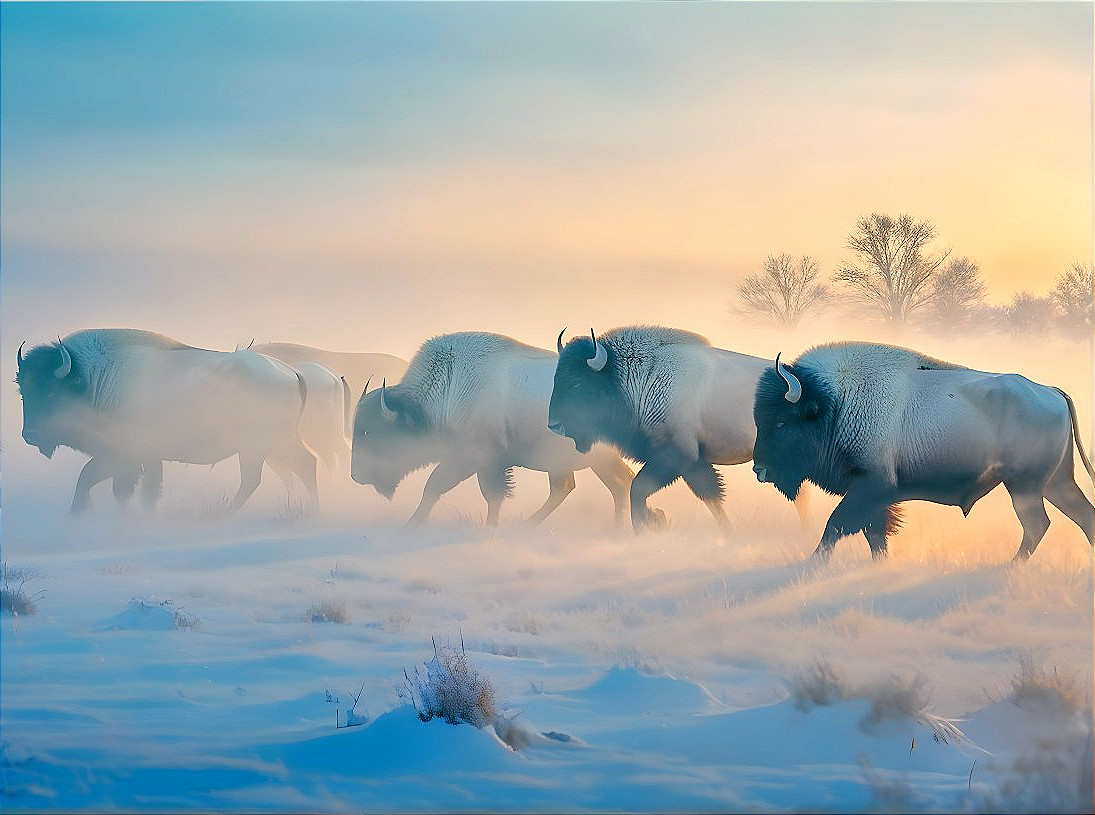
(14, 597)
(451, 689)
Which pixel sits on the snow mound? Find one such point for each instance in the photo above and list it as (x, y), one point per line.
(629, 690)
(142, 615)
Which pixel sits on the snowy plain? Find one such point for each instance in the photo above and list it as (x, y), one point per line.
(180, 661)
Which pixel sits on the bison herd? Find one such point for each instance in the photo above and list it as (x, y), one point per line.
(875, 424)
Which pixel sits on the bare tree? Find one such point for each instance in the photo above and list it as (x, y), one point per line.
(891, 269)
(1029, 314)
(958, 294)
(1074, 299)
(785, 291)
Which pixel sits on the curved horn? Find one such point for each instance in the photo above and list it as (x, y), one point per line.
(248, 348)
(65, 367)
(365, 390)
(559, 340)
(794, 387)
(600, 356)
(19, 354)
(385, 411)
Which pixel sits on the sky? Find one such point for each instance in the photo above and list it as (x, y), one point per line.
(363, 176)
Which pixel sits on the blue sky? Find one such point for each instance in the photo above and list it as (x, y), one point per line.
(165, 160)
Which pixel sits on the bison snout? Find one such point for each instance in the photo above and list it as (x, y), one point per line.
(557, 428)
(762, 473)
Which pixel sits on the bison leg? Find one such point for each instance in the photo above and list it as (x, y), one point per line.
(444, 477)
(250, 476)
(562, 485)
(802, 507)
(704, 480)
(1031, 510)
(282, 471)
(125, 484)
(858, 510)
(878, 531)
(151, 483)
(298, 459)
(615, 475)
(1065, 494)
(496, 484)
(96, 470)
(651, 478)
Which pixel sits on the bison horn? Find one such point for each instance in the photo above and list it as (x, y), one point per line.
(600, 355)
(65, 367)
(386, 411)
(19, 354)
(559, 340)
(794, 387)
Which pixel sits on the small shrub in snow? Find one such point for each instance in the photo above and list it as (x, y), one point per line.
(353, 718)
(450, 689)
(819, 684)
(185, 621)
(14, 598)
(1034, 687)
(327, 613)
(894, 698)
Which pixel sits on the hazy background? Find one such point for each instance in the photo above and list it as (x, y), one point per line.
(362, 176)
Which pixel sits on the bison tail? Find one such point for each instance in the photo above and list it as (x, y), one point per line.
(348, 407)
(1076, 434)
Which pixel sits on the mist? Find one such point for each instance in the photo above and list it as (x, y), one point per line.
(362, 177)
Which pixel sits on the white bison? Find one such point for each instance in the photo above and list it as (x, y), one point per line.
(133, 399)
(663, 397)
(880, 425)
(475, 404)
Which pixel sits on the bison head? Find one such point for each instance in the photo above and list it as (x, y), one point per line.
(390, 439)
(582, 401)
(54, 392)
(790, 411)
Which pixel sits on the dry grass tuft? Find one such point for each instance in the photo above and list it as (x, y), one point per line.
(896, 698)
(893, 699)
(1034, 687)
(451, 690)
(818, 685)
(326, 612)
(14, 598)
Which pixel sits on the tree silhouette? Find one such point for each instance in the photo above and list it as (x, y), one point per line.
(1074, 299)
(785, 291)
(1029, 314)
(958, 294)
(891, 269)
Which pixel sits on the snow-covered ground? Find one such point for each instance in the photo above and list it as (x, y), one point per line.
(182, 663)
(185, 661)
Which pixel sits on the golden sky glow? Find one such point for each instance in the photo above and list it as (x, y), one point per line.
(281, 169)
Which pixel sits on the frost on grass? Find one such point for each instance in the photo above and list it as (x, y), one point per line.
(325, 612)
(893, 699)
(450, 689)
(818, 685)
(14, 597)
(1034, 687)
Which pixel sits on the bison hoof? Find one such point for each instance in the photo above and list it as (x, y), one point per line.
(654, 521)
